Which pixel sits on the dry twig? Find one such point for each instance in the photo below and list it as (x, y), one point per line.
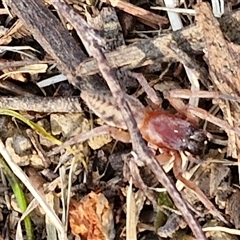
(147, 17)
(138, 144)
(41, 104)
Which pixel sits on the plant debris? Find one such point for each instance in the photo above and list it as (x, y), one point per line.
(85, 79)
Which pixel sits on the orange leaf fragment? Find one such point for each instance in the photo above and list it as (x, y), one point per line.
(92, 218)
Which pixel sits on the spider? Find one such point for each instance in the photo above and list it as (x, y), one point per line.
(172, 133)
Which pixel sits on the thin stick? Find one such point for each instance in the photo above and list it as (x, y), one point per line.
(147, 17)
(138, 143)
(186, 94)
(41, 104)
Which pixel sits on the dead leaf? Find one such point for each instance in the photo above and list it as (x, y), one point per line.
(92, 218)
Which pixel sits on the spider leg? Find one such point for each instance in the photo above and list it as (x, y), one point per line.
(201, 113)
(181, 108)
(105, 129)
(151, 94)
(177, 170)
(119, 135)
